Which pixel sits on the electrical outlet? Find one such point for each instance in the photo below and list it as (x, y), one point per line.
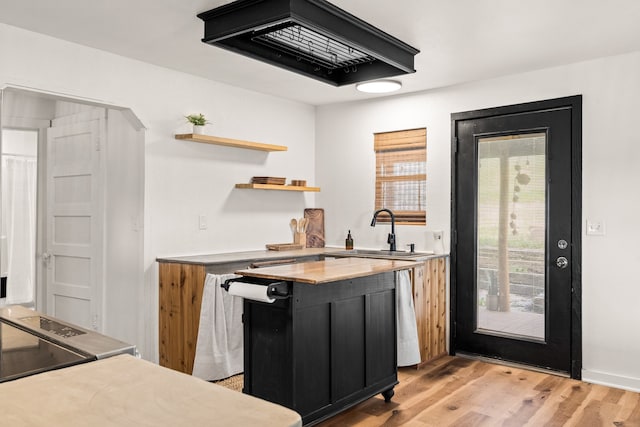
(202, 221)
(595, 227)
(438, 243)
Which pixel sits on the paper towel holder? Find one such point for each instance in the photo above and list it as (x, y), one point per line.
(276, 290)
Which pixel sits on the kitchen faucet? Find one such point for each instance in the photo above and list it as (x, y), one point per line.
(391, 239)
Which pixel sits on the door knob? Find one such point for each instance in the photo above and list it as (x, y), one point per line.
(46, 259)
(562, 262)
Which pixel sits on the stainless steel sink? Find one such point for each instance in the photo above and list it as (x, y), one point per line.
(383, 254)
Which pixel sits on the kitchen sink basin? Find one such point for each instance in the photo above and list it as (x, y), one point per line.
(384, 254)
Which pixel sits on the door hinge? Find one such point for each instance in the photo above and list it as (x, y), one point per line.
(455, 329)
(243, 318)
(454, 141)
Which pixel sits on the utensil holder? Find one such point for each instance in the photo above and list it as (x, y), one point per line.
(300, 238)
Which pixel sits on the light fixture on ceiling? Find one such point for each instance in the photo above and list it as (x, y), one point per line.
(379, 86)
(310, 37)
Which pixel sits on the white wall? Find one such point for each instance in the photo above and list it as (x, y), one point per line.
(124, 211)
(611, 150)
(182, 179)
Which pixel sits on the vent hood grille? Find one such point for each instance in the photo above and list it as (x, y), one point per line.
(314, 47)
(310, 37)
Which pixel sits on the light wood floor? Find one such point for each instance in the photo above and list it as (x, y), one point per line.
(453, 391)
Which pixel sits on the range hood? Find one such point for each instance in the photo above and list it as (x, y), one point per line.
(310, 37)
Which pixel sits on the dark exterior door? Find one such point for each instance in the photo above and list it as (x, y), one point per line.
(515, 284)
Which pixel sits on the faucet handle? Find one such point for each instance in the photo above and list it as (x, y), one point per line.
(412, 247)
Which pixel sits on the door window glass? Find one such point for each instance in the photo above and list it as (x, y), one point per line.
(511, 230)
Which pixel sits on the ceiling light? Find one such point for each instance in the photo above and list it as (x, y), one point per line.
(310, 37)
(379, 86)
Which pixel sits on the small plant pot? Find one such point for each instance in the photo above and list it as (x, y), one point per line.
(198, 130)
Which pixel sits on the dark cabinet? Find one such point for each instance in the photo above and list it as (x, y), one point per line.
(325, 348)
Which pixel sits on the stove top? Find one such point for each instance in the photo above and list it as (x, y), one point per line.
(22, 354)
(31, 343)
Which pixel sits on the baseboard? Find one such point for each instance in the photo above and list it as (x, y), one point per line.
(610, 380)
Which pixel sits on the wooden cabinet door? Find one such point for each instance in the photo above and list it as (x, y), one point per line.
(420, 302)
(429, 282)
(435, 282)
(181, 288)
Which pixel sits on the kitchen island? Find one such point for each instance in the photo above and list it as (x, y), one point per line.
(329, 342)
(182, 278)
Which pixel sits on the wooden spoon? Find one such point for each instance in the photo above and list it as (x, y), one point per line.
(293, 224)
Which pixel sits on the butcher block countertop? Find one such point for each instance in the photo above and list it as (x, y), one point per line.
(125, 391)
(330, 270)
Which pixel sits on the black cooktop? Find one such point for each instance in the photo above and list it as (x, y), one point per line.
(23, 353)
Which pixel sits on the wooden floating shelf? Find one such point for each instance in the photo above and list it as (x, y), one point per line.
(277, 187)
(208, 139)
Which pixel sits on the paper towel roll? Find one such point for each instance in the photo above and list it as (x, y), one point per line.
(250, 291)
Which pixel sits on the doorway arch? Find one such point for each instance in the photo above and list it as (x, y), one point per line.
(119, 271)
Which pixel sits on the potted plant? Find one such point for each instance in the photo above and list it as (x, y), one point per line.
(198, 121)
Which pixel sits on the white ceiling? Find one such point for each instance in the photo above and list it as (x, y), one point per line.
(459, 40)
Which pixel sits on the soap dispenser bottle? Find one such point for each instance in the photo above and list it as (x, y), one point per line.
(348, 243)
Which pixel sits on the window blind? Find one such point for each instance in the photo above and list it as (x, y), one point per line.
(401, 176)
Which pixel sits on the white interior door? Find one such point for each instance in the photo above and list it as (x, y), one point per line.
(74, 224)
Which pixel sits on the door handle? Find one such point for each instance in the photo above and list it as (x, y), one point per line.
(562, 262)
(46, 258)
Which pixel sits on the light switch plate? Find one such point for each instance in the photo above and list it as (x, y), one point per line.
(595, 227)
(202, 222)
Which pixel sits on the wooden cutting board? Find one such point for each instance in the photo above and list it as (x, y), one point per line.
(283, 246)
(315, 229)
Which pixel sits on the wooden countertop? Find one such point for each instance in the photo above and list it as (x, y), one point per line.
(330, 270)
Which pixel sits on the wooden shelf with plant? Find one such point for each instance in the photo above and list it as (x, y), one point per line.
(199, 121)
(217, 140)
